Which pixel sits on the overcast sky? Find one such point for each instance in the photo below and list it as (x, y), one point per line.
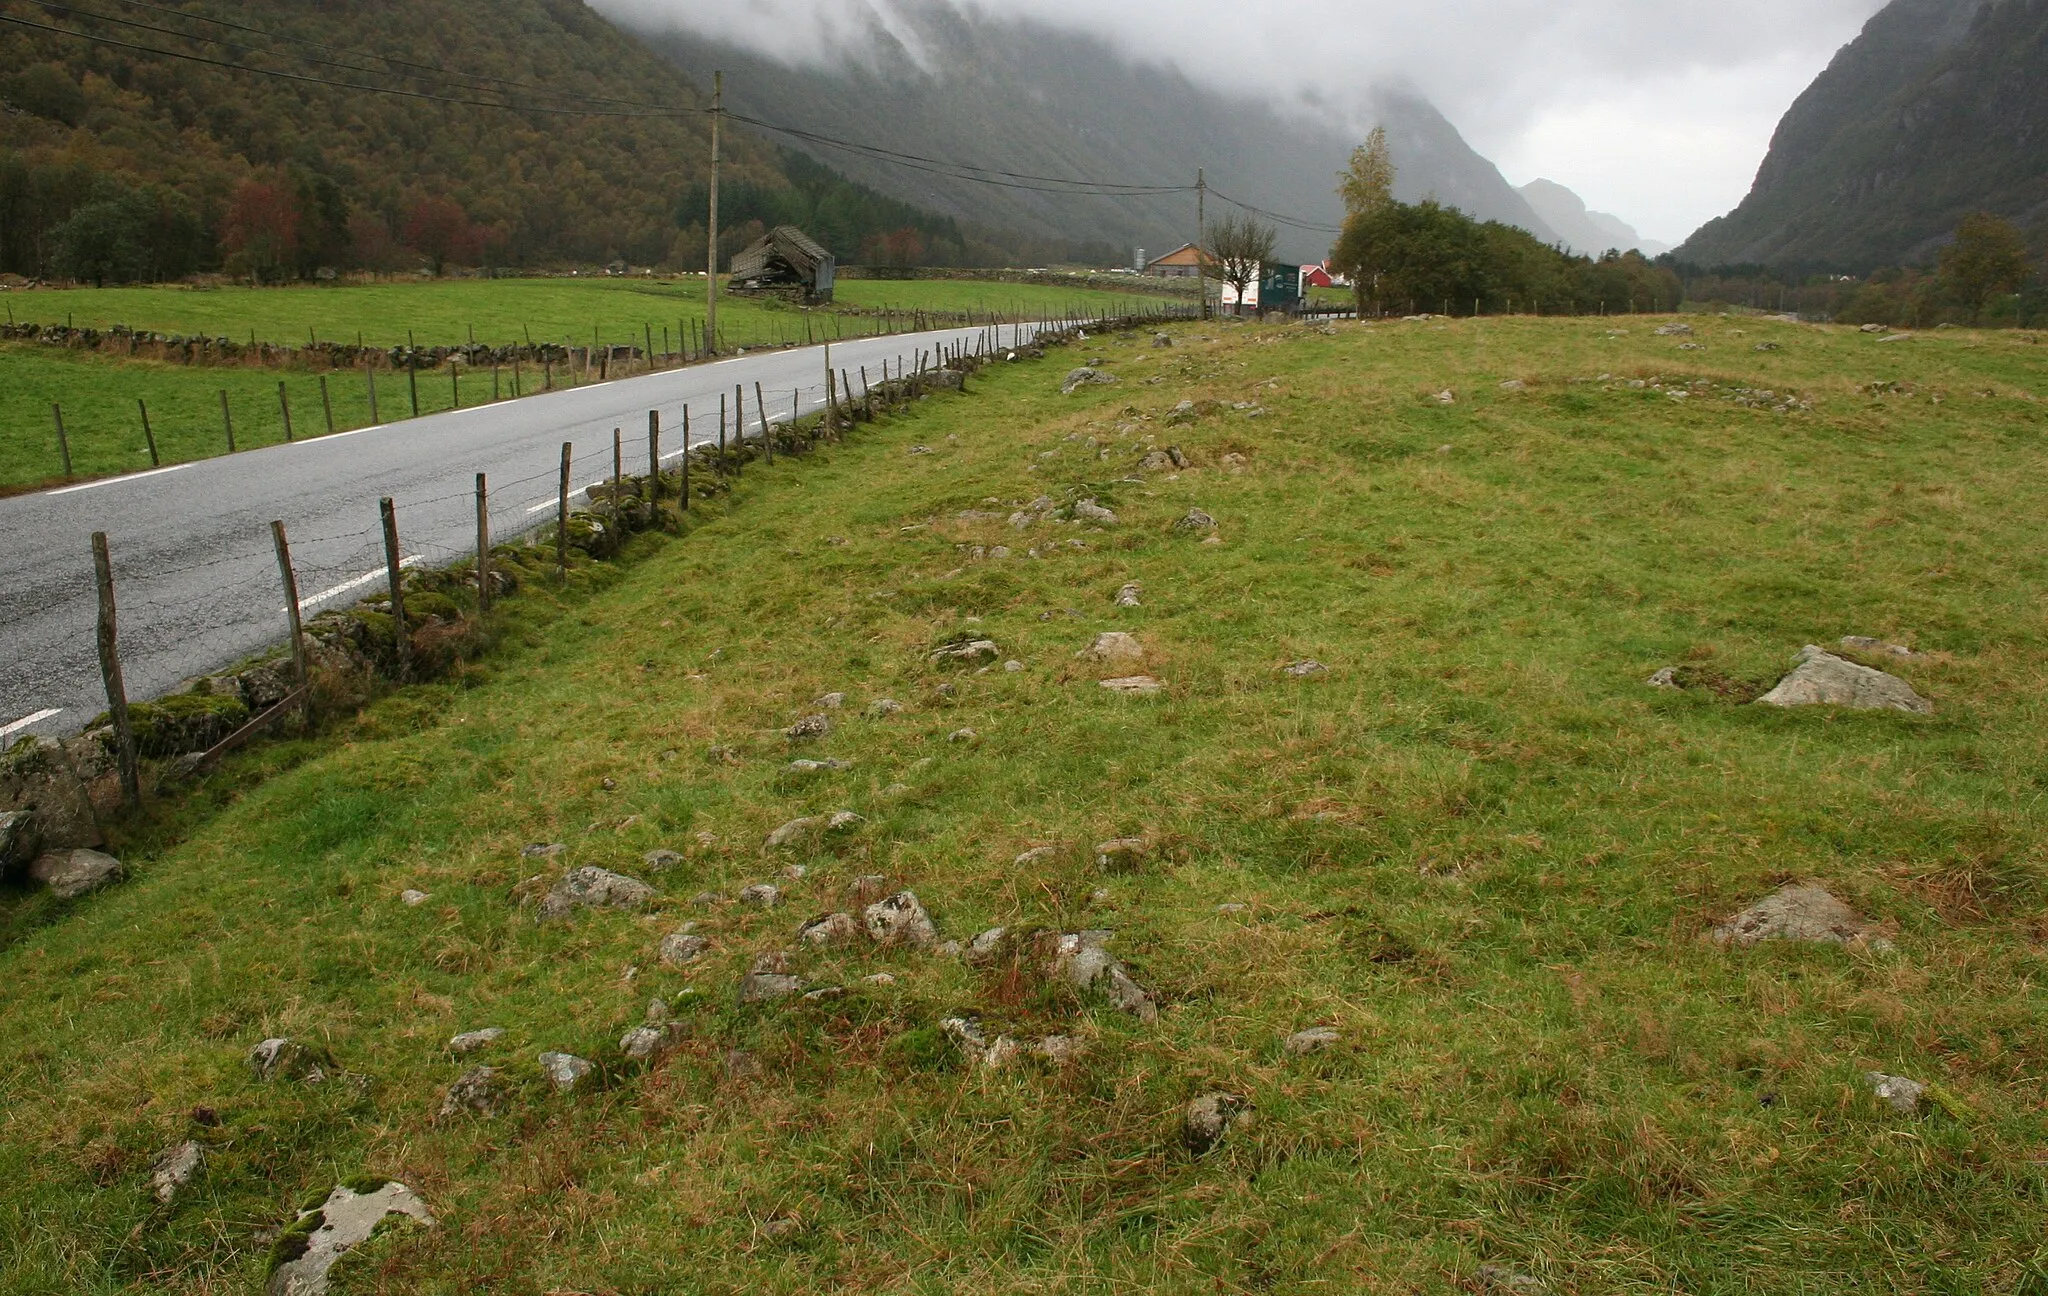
(1655, 110)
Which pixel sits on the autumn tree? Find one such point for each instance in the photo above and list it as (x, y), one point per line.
(440, 230)
(261, 231)
(1367, 188)
(1240, 247)
(1988, 258)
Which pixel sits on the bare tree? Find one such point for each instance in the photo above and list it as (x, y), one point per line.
(1240, 247)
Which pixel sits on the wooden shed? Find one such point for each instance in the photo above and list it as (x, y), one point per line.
(785, 262)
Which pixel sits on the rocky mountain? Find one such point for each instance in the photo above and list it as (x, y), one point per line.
(1939, 108)
(961, 84)
(1589, 233)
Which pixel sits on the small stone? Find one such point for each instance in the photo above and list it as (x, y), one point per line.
(1060, 1050)
(1207, 1119)
(824, 994)
(1446, 397)
(707, 840)
(1233, 907)
(1799, 913)
(832, 929)
(1879, 648)
(175, 1167)
(73, 873)
(796, 872)
(661, 861)
(895, 790)
(594, 888)
(1134, 686)
(818, 766)
(1121, 855)
(707, 899)
(542, 850)
(796, 830)
(476, 1090)
(1514, 385)
(643, 1043)
(967, 736)
(868, 888)
(682, 948)
(761, 895)
(810, 728)
(1821, 678)
(471, 1041)
(1905, 1096)
(413, 899)
(1088, 510)
(973, 650)
(1666, 678)
(842, 821)
(1306, 668)
(1100, 896)
(829, 701)
(657, 1012)
(780, 1228)
(1313, 1040)
(1196, 520)
(609, 785)
(340, 1224)
(882, 707)
(1013, 667)
(1085, 376)
(1128, 596)
(1114, 646)
(564, 1070)
(879, 979)
(768, 980)
(985, 946)
(900, 920)
(286, 1059)
(1495, 1277)
(723, 756)
(1674, 330)
(1035, 856)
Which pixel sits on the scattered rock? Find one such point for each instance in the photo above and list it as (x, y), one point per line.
(831, 701)
(818, 766)
(742, 1065)
(768, 980)
(1446, 397)
(973, 650)
(645, 1043)
(868, 888)
(413, 899)
(796, 830)
(1082, 959)
(985, 946)
(1823, 679)
(287, 1059)
(1665, 679)
(1036, 855)
(1767, 346)
(542, 850)
(829, 930)
(594, 888)
(1196, 520)
(1182, 414)
(174, 1168)
(824, 994)
(723, 756)
(1233, 907)
(1088, 510)
(1800, 913)
(1674, 330)
(1086, 377)
(967, 736)
(1896, 337)
(475, 1090)
(1313, 1040)
(1122, 855)
(471, 1041)
(810, 728)
(1128, 596)
(1060, 1050)
(1304, 669)
(762, 895)
(1905, 1096)
(661, 861)
(900, 920)
(344, 1221)
(78, 872)
(1162, 340)
(20, 841)
(1114, 646)
(708, 899)
(1137, 685)
(1207, 1119)
(1879, 648)
(881, 707)
(1235, 462)
(1514, 385)
(879, 979)
(1872, 328)
(564, 1070)
(1495, 1277)
(682, 948)
(1156, 461)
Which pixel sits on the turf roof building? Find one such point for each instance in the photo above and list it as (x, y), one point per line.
(785, 262)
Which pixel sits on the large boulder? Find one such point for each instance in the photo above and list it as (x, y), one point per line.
(38, 778)
(900, 920)
(1823, 679)
(72, 873)
(309, 1248)
(594, 888)
(1802, 912)
(20, 841)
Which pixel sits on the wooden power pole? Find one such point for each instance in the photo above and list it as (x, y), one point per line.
(711, 252)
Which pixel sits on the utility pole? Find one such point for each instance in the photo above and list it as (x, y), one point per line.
(1202, 235)
(711, 253)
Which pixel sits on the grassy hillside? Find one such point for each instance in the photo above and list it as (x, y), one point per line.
(1478, 847)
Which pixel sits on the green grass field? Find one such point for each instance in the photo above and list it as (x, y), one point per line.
(99, 393)
(1479, 847)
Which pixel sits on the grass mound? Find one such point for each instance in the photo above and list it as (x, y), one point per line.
(1477, 846)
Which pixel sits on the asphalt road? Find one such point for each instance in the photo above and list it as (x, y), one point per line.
(195, 572)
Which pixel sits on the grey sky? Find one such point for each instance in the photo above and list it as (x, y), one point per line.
(1656, 110)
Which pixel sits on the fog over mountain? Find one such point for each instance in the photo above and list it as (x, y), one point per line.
(930, 78)
(1588, 233)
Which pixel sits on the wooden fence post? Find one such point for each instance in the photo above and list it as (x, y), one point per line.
(291, 612)
(767, 436)
(110, 674)
(649, 330)
(721, 434)
(562, 517)
(683, 496)
(284, 407)
(412, 378)
(326, 404)
(147, 435)
(831, 409)
(370, 375)
(455, 381)
(400, 638)
(483, 544)
(227, 420)
(654, 464)
(63, 442)
(618, 472)
(739, 429)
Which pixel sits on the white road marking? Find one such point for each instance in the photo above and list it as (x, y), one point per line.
(7, 731)
(116, 481)
(348, 585)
